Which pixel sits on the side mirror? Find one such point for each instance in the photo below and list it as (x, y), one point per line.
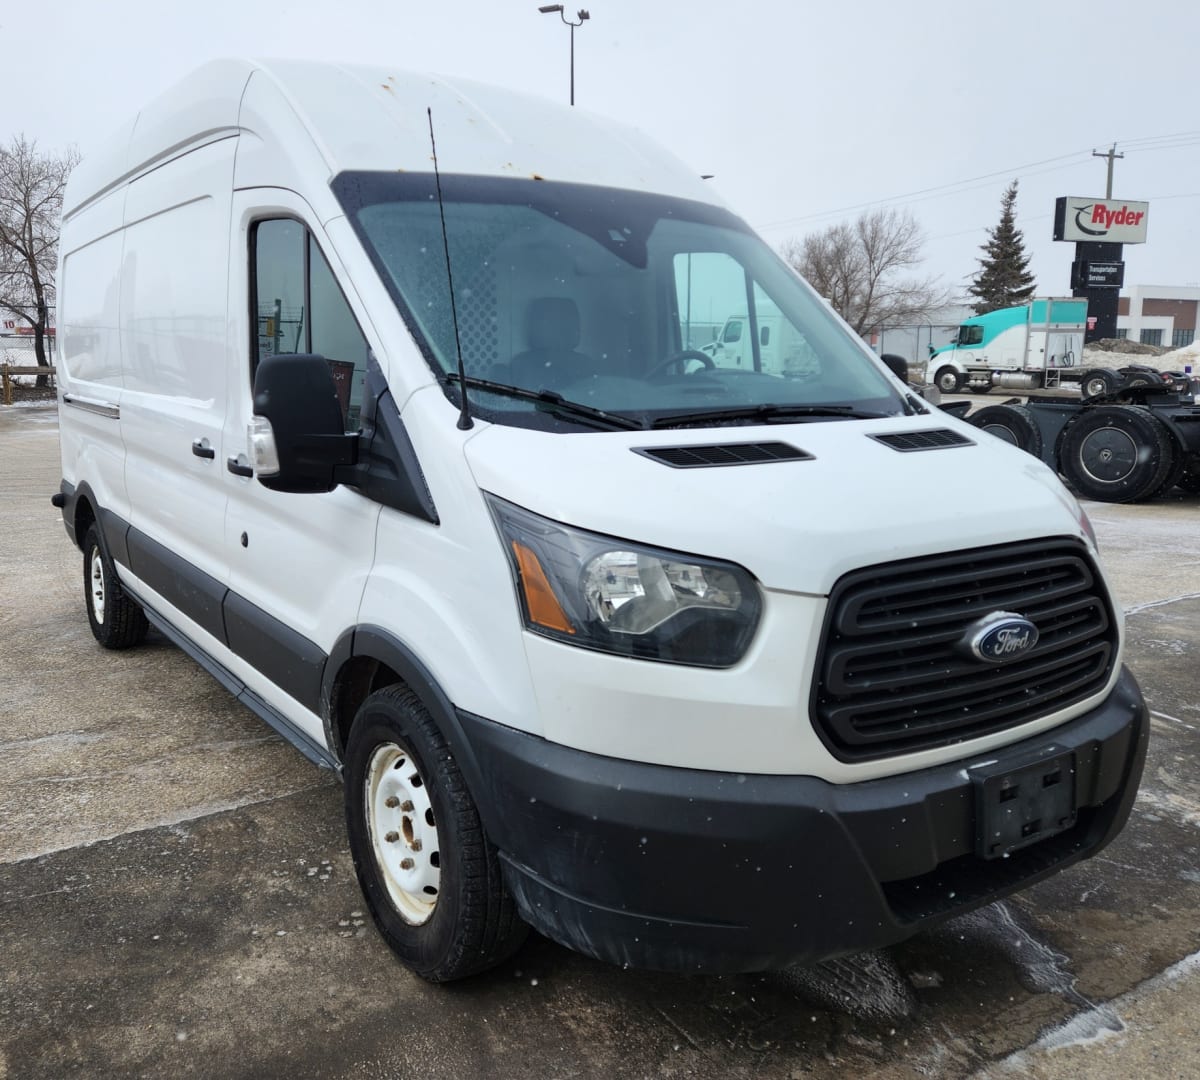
(297, 434)
(897, 365)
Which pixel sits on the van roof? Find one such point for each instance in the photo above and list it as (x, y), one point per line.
(374, 118)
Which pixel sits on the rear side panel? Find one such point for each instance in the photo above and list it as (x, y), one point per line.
(90, 376)
(174, 352)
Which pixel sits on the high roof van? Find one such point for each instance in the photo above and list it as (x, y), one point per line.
(687, 665)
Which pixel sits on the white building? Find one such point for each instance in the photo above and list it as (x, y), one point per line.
(1159, 314)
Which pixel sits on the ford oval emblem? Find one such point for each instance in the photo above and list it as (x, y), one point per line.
(1000, 637)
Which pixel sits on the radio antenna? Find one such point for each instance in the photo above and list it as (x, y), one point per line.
(464, 416)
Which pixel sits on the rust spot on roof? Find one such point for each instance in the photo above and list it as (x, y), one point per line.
(385, 86)
(536, 177)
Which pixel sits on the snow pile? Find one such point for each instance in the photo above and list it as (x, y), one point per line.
(1118, 353)
(1177, 358)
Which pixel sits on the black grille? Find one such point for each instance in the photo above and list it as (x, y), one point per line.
(704, 457)
(892, 678)
(936, 439)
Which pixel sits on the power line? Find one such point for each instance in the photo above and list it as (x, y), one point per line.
(923, 191)
(1145, 144)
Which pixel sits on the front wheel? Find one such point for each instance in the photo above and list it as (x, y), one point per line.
(949, 381)
(429, 874)
(117, 620)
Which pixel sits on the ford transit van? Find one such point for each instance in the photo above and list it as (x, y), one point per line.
(677, 662)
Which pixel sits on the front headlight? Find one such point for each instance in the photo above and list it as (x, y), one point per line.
(602, 593)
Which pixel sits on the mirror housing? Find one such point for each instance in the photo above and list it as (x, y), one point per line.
(897, 365)
(295, 392)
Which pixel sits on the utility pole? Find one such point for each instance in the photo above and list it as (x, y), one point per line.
(1112, 155)
(1102, 299)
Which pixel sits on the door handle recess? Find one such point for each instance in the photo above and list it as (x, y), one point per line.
(201, 448)
(237, 468)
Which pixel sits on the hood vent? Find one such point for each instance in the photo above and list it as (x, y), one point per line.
(707, 457)
(936, 439)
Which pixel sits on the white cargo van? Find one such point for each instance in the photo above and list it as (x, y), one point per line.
(675, 662)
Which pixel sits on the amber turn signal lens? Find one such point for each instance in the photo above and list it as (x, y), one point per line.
(544, 608)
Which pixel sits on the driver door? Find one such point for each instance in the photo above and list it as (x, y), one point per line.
(298, 562)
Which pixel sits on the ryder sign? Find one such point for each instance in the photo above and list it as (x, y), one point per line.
(1108, 221)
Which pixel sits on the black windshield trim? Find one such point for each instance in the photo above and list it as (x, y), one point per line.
(358, 189)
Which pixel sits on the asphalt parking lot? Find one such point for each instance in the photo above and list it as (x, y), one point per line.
(177, 897)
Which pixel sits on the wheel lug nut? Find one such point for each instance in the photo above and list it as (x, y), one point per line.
(392, 837)
(415, 845)
(392, 802)
(406, 806)
(406, 864)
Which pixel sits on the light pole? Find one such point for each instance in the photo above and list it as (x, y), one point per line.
(583, 16)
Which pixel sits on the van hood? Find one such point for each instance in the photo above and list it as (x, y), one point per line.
(796, 525)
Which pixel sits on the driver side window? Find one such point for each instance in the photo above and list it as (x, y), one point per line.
(299, 308)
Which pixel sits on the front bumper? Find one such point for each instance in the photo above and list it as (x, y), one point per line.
(686, 870)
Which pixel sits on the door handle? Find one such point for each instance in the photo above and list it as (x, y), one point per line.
(201, 448)
(237, 468)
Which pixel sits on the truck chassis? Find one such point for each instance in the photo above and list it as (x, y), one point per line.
(1125, 447)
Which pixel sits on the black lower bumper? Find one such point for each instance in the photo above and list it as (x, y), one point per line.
(687, 870)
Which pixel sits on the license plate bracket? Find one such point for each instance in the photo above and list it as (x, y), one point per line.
(1019, 804)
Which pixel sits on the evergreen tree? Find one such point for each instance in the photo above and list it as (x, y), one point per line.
(1003, 279)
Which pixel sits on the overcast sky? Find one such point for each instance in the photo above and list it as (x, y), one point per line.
(804, 112)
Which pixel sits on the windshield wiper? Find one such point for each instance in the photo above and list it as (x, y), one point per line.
(767, 414)
(552, 402)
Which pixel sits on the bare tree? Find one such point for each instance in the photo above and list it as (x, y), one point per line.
(858, 267)
(31, 191)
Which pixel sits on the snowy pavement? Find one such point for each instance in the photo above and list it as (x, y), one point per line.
(176, 896)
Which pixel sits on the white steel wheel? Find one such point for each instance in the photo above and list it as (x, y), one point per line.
(96, 585)
(403, 831)
(116, 619)
(430, 876)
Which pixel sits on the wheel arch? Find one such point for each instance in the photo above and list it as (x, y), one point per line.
(79, 513)
(368, 658)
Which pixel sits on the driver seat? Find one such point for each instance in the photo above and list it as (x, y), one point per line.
(552, 332)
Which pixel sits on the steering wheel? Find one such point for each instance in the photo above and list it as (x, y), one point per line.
(681, 359)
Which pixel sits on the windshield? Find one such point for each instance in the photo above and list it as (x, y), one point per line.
(639, 305)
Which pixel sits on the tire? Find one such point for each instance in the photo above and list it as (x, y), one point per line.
(1116, 453)
(1012, 423)
(949, 381)
(117, 620)
(1189, 477)
(446, 914)
(1141, 379)
(978, 389)
(1097, 383)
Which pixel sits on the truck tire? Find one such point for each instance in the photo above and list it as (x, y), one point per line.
(116, 619)
(1012, 423)
(1189, 478)
(429, 874)
(1097, 383)
(1179, 460)
(949, 381)
(1116, 453)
